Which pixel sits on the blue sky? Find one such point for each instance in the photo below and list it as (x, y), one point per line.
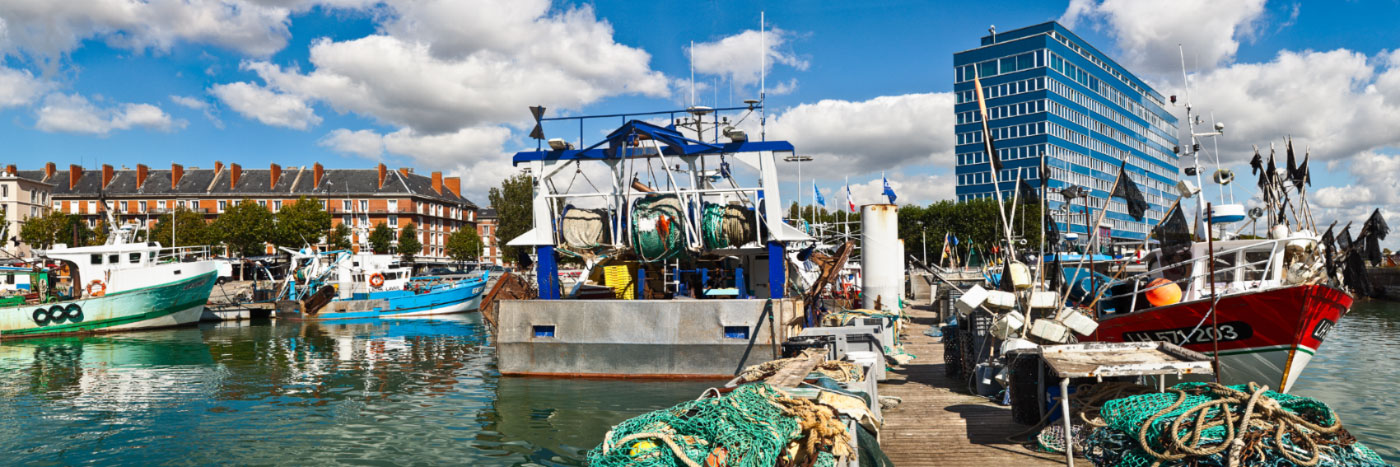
(443, 85)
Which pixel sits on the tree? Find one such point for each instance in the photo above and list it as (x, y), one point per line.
(190, 229)
(380, 239)
(513, 201)
(340, 238)
(43, 232)
(301, 223)
(245, 228)
(464, 245)
(408, 242)
(99, 234)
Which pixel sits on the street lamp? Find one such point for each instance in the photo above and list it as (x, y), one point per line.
(799, 160)
(923, 240)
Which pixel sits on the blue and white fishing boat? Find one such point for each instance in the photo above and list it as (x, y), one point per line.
(342, 285)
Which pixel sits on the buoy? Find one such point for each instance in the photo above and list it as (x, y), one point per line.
(376, 280)
(1168, 294)
(97, 288)
(717, 457)
(641, 447)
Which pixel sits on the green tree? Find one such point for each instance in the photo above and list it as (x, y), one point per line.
(340, 238)
(380, 239)
(408, 242)
(99, 234)
(42, 232)
(464, 245)
(301, 223)
(245, 228)
(513, 201)
(189, 229)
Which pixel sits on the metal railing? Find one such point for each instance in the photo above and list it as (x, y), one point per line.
(1190, 281)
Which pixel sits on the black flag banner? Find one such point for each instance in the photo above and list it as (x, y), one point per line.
(1305, 176)
(1293, 174)
(1125, 188)
(1329, 242)
(1344, 239)
(1374, 230)
(1257, 163)
(1174, 233)
(1028, 194)
(1267, 178)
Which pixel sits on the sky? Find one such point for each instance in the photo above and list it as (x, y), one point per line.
(862, 87)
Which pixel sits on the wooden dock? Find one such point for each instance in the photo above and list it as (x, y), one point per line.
(936, 425)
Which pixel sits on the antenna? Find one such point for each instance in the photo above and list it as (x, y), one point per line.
(692, 73)
(762, 77)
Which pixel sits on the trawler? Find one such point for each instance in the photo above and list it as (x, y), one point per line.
(344, 285)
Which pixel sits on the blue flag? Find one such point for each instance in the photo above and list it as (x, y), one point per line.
(955, 240)
(820, 200)
(889, 192)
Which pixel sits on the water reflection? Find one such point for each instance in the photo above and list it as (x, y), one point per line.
(1355, 373)
(373, 391)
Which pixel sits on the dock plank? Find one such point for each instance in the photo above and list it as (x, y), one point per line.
(938, 425)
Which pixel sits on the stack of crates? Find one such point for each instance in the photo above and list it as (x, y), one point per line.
(619, 278)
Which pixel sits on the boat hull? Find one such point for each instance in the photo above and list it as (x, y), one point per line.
(171, 304)
(462, 298)
(1267, 337)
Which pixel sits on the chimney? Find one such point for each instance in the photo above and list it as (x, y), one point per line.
(234, 172)
(75, 172)
(10, 169)
(454, 185)
(382, 174)
(405, 171)
(276, 174)
(49, 170)
(437, 182)
(218, 166)
(106, 175)
(141, 172)
(176, 172)
(317, 173)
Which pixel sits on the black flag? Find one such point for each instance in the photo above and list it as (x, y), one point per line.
(1373, 231)
(1376, 224)
(1305, 176)
(1126, 189)
(1268, 176)
(1257, 163)
(1028, 194)
(1355, 274)
(1329, 251)
(1344, 239)
(1293, 174)
(1174, 233)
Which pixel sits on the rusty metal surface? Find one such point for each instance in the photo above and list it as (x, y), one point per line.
(315, 302)
(831, 268)
(508, 287)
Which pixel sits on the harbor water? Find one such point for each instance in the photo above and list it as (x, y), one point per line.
(382, 392)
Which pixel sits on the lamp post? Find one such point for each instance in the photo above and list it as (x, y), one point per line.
(923, 240)
(799, 160)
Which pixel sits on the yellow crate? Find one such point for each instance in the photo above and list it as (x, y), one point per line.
(619, 278)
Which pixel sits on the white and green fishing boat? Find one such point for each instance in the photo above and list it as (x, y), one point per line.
(119, 286)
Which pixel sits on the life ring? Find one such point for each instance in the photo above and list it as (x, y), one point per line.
(101, 288)
(41, 316)
(376, 280)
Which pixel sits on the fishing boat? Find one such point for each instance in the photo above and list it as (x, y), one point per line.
(344, 285)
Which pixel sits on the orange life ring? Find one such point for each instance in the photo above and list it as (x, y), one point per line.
(376, 280)
(99, 285)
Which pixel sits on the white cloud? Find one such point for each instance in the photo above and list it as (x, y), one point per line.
(739, 58)
(18, 87)
(201, 105)
(909, 188)
(47, 29)
(267, 106)
(507, 56)
(363, 143)
(72, 113)
(887, 132)
(1148, 31)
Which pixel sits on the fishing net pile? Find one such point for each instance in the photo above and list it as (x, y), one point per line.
(658, 228)
(585, 229)
(755, 425)
(1207, 424)
(840, 371)
(725, 226)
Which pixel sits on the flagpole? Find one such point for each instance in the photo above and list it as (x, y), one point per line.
(992, 160)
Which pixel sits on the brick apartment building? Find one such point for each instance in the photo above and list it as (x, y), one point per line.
(486, 228)
(359, 198)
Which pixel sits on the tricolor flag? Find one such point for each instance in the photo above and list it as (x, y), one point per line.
(850, 203)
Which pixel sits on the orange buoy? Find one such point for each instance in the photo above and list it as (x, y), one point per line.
(717, 458)
(1168, 294)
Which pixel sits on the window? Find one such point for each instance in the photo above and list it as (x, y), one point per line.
(92, 207)
(113, 259)
(364, 205)
(134, 257)
(345, 205)
(393, 205)
(223, 204)
(4, 191)
(346, 221)
(263, 203)
(277, 205)
(393, 221)
(97, 258)
(141, 206)
(181, 204)
(160, 205)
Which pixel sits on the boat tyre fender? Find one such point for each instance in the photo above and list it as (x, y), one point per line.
(41, 316)
(57, 315)
(97, 288)
(376, 280)
(74, 312)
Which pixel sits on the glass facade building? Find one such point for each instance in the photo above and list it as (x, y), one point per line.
(1051, 94)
